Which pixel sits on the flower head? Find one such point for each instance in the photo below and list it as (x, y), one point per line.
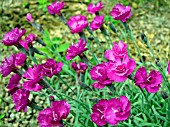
(99, 73)
(52, 116)
(92, 8)
(97, 115)
(13, 83)
(29, 17)
(51, 67)
(8, 66)
(120, 12)
(20, 59)
(120, 68)
(97, 22)
(77, 23)
(117, 110)
(79, 67)
(118, 51)
(168, 69)
(76, 49)
(28, 41)
(55, 7)
(111, 111)
(34, 76)
(12, 37)
(20, 99)
(150, 82)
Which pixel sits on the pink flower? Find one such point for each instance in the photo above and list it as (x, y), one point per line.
(20, 99)
(120, 12)
(50, 117)
(79, 67)
(97, 22)
(29, 17)
(12, 37)
(97, 115)
(13, 83)
(150, 82)
(76, 49)
(20, 59)
(117, 110)
(28, 41)
(119, 50)
(34, 76)
(8, 66)
(77, 23)
(111, 111)
(120, 69)
(168, 69)
(51, 67)
(56, 7)
(92, 8)
(99, 73)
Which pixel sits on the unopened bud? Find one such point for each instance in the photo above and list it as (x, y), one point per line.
(157, 63)
(164, 95)
(144, 38)
(51, 98)
(112, 27)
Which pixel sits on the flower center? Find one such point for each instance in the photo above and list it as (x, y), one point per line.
(55, 116)
(121, 69)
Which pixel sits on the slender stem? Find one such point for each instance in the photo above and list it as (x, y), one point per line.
(136, 46)
(82, 35)
(58, 75)
(148, 102)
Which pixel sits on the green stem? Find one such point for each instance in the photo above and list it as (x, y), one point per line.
(136, 46)
(58, 75)
(148, 102)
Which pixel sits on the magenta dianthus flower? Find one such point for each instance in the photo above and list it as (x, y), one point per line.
(51, 67)
(77, 23)
(79, 67)
(76, 49)
(111, 111)
(50, 117)
(92, 8)
(119, 69)
(118, 51)
(20, 59)
(168, 69)
(97, 115)
(150, 82)
(28, 41)
(29, 17)
(8, 66)
(97, 22)
(117, 110)
(20, 99)
(13, 83)
(34, 76)
(12, 37)
(120, 12)
(56, 7)
(99, 73)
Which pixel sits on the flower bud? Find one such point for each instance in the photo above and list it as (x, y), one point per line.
(112, 27)
(144, 38)
(29, 18)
